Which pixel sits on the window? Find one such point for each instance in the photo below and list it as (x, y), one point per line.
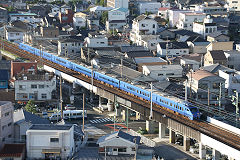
(33, 86)
(3, 83)
(216, 85)
(234, 1)
(133, 149)
(72, 51)
(54, 139)
(7, 114)
(9, 136)
(41, 86)
(9, 124)
(44, 96)
(203, 86)
(153, 25)
(102, 42)
(169, 74)
(122, 149)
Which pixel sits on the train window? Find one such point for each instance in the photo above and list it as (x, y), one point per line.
(170, 104)
(137, 91)
(187, 109)
(180, 108)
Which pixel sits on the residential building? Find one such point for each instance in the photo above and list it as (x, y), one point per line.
(182, 35)
(49, 32)
(66, 17)
(4, 77)
(171, 49)
(149, 41)
(163, 12)
(191, 62)
(23, 120)
(214, 57)
(25, 17)
(117, 3)
(38, 9)
(55, 9)
(233, 58)
(211, 8)
(50, 141)
(93, 23)
(117, 18)
(98, 10)
(142, 25)
(79, 20)
(69, 47)
(96, 40)
(64, 8)
(200, 81)
(232, 80)
(173, 15)
(197, 44)
(6, 124)
(186, 19)
(3, 15)
(218, 37)
(205, 28)
(233, 5)
(149, 7)
(118, 143)
(14, 34)
(160, 72)
(17, 67)
(224, 46)
(13, 151)
(38, 87)
(149, 61)
(165, 34)
(134, 54)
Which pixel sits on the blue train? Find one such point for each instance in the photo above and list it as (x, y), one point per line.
(173, 103)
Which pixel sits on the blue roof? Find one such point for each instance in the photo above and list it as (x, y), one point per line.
(121, 134)
(4, 75)
(120, 9)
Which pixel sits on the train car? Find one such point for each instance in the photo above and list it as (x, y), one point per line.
(135, 90)
(107, 79)
(69, 114)
(47, 56)
(30, 49)
(62, 62)
(82, 69)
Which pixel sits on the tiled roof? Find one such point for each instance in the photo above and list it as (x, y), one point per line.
(134, 54)
(12, 150)
(216, 34)
(50, 127)
(200, 74)
(174, 45)
(163, 9)
(22, 115)
(121, 134)
(218, 55)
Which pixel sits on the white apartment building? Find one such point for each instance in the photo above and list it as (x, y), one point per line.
(98, 10)
(142, 25)
(173, 15)
(69, 47)
(50, 141)
(186, 20)
(79, 20)
(211, 9)
(117, 18)
(6, 123)
(117, 3)
(151, 7)
(233, 59)
(149, 41)
(14, 34)
(96, 41)
(34, 87)
(160, 72)
(205, 28)
(233, 5)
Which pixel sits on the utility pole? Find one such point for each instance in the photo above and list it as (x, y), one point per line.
(61, 100)
(151, 115)
(190, 90)
(186, 91)
(167, 50)
(114, 121)
(88, 54)
(235, 101)
(91, 99)
(220, 97)
(208, 100)
(121, 68)
(83, 113)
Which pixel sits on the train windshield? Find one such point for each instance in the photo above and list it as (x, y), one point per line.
(193, 110)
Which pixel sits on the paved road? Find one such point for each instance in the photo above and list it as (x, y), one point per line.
(168, 152)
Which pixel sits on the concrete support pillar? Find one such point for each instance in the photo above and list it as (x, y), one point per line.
(202, 151)
(215, 154)
(124, 114)
(150, 126)
(162, 130)
(172, 136)
(186, 143)
(100, 102)
(110, 106)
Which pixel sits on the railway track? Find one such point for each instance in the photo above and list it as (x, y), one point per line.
(215, 132)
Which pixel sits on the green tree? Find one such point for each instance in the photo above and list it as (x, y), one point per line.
(104, 17)
(100, 3)
(30, 107)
